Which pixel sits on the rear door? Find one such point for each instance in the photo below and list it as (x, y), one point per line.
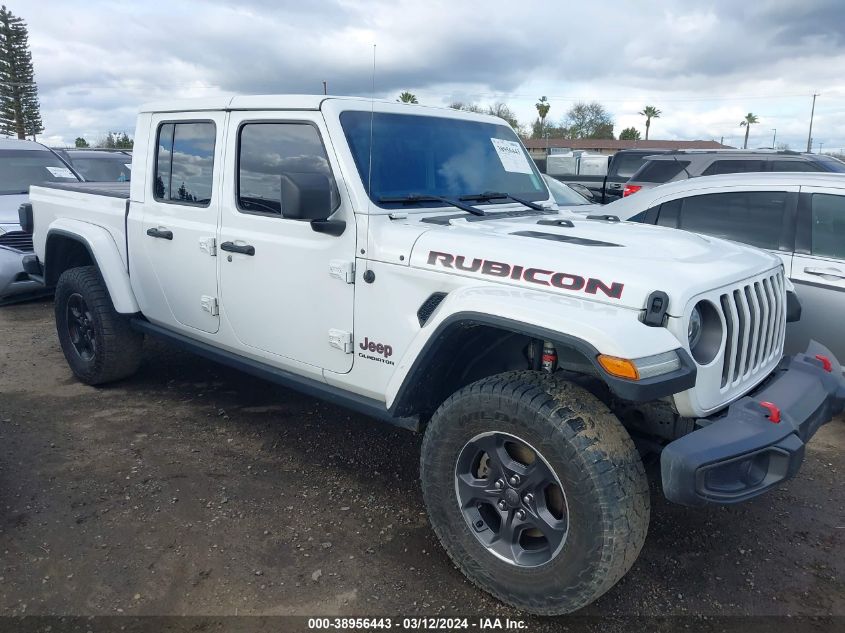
(176, 259)
(818, 270)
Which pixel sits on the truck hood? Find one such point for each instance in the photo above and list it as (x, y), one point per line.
(9, 211)
(618, 263)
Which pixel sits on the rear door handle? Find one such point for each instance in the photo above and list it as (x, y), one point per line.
(163, 234)
(236, 248)
(825, 272)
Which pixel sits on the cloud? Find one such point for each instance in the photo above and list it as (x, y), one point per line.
(704, 64)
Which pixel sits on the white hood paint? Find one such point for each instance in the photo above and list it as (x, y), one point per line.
(644, 259)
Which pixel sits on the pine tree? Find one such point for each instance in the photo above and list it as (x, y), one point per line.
(20, 112)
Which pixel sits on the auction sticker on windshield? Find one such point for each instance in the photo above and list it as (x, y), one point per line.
(60, 172)
(512, 157)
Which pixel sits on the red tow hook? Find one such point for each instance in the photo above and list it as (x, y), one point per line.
(774, 412)
(826, 364)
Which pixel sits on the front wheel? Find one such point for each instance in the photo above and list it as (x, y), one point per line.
(97, 342)
(535, 490)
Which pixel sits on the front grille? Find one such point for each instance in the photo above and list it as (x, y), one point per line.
(755, 322)
(18, 240)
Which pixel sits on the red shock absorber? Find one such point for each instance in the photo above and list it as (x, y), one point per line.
(549, 357)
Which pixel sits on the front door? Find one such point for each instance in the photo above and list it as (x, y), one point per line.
(180, 222)
(818, 271)
(286, 289)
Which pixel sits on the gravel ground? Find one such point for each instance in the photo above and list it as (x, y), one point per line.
(192, 489)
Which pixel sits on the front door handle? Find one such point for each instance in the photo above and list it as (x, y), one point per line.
(160, 233)
(825, 272)
(236, 248)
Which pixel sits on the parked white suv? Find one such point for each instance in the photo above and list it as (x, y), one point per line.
(409, 262)
(799, 217)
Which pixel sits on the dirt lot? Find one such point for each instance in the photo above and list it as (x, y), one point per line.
(194, 489)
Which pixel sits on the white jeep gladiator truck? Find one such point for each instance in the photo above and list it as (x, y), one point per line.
(408, 262)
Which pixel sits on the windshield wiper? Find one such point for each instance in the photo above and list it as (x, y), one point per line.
(496, 195)
(413, 198)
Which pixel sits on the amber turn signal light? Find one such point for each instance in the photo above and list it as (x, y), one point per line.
(619, 367)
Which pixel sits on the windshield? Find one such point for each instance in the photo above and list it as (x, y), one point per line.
(20, 168)
(563, 195)
(103, 168)
(438, 156)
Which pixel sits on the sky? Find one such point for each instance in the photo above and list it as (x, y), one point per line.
(704, 64)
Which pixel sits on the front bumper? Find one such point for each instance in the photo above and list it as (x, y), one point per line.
(743, 453)
(15, 281)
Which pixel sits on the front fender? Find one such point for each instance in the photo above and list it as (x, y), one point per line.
(105, 254)
(590, 327)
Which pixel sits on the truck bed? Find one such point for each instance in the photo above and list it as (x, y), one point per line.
(89, 208)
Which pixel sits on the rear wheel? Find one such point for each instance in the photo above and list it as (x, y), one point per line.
(535, 490)
(97, 342)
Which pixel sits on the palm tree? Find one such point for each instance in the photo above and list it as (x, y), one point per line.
(649, 112)
(543, 106)
(747, 122)
(407, 97)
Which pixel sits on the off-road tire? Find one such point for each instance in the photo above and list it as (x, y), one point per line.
(592, 455)
(117, 346)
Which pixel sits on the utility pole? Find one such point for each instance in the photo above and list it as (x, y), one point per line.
(810, 134)
(820, 146)
(325, 88)
(774, 137)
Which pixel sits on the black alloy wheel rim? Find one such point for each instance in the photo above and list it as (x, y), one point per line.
(80, 327)
(511, 499)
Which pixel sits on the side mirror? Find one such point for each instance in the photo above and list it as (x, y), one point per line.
(306, 196)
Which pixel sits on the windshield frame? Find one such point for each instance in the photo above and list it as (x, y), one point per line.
(338, 107)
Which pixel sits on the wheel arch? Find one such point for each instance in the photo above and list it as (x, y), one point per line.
(91, 245)
(468, 346)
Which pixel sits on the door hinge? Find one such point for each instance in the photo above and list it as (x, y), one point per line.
(210, 305)
(341, 339)
(343, 270)
(208, 245)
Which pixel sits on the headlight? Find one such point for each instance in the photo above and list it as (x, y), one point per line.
(694, 328)
(705, 332)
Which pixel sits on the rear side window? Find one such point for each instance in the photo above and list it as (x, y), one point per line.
(829, 163)
(626, 165)
(660, 171)
(752, 217)
(828, 230)
(669, 213)
(794, 165)
(267, 153)
(733, 167)
(185, 163)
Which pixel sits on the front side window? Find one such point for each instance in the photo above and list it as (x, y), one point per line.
(793, 165)
(828, 230)
(438, 156)
(185, 163)
(20, 168)
(270, 151)
(752, 217)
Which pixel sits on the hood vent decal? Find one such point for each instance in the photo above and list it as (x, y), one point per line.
(569, 239)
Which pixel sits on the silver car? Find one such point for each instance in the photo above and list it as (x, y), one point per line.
(22, 163)
(798, 216)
